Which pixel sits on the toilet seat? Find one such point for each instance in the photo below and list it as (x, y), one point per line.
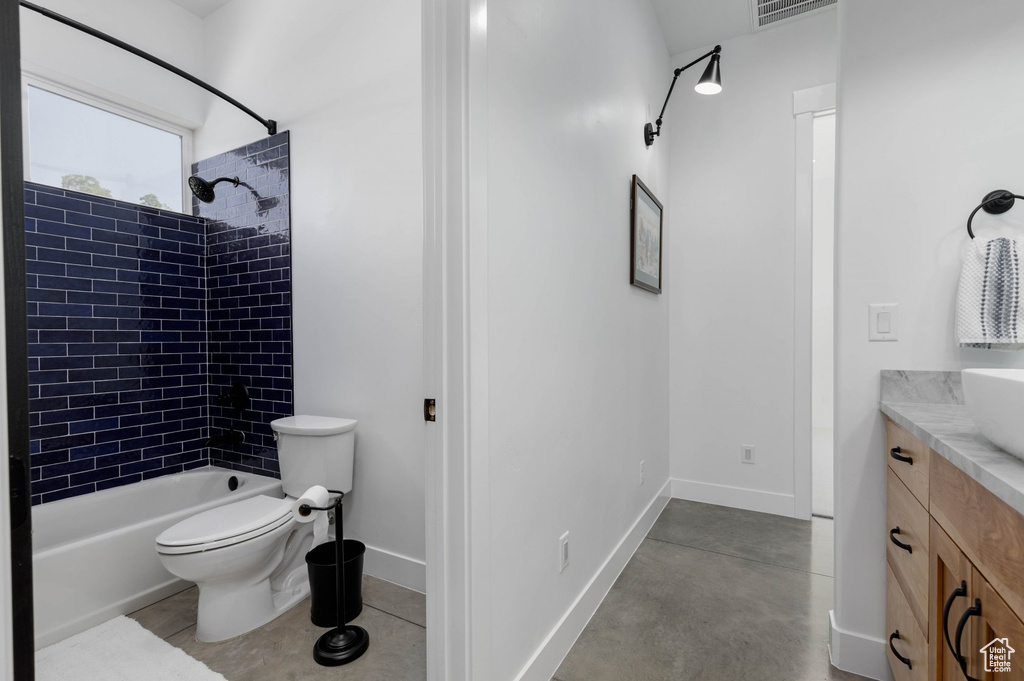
(225, 525)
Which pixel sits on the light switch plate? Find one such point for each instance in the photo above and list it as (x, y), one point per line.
(883, 322)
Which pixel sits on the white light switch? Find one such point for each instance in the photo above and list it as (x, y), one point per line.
(883, 322)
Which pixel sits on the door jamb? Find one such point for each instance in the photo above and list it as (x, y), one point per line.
(16, 573)
(806, 103)
(455, 338)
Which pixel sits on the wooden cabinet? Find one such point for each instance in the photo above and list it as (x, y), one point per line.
(995, 622)
(955, 570)
(908, 646)
(909, 459)
(951, 594)
(907, 549)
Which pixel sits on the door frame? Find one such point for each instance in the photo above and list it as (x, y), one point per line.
(455, 338)
(17, 643)
(806, 104)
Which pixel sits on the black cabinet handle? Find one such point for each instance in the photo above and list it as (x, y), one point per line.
(974, 610)
(895, 453)
(959, 592)
(892, 537)
(904, 660)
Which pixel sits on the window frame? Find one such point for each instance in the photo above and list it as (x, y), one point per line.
(29, 79)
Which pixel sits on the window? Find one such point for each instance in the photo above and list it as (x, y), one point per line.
(79, 146)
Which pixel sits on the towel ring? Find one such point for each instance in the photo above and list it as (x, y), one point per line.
(994, 203)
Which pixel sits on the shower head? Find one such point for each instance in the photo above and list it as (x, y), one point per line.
(204, 190)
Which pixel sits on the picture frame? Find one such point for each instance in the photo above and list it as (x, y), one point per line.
(645, 239)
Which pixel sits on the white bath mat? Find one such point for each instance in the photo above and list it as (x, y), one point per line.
(119, 650)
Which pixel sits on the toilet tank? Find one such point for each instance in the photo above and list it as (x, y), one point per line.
(315, 450)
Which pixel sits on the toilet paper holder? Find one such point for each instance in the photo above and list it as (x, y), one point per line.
(306, 509)
(345, 643)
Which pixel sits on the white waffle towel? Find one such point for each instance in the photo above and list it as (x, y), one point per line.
(988, 301)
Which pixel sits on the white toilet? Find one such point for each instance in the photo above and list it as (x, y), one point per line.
(247, 557)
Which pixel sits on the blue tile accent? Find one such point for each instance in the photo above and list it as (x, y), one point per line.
(140, 317)
(248, 245)
(86, 262)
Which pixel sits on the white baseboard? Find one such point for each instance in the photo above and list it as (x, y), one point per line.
(396, 568)
(735, 497)
(857, 653)
(547, 658)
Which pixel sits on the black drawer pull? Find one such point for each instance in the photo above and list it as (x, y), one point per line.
(904, 660)
(895, 453)
(959, 592)
(973, 611)
(892, 537)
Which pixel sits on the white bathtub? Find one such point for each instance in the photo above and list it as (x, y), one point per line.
(94, 556)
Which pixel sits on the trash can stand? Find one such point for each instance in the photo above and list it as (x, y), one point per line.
(321, 562)
(347, 642)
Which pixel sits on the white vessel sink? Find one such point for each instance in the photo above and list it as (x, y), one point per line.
(995, 400)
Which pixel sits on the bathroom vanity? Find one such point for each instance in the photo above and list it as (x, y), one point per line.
(955, 550)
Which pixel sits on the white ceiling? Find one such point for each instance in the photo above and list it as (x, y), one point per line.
(686, 24)
(691, 24)
(201, 8)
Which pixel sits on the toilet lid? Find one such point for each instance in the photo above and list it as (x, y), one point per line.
(225, 525)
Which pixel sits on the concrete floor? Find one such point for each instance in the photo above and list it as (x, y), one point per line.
(283, 649)
(715, 594)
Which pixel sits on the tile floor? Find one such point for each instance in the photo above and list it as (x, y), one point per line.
(283, 649)
(715, 594)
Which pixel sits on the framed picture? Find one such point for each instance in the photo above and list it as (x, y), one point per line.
(645, 231)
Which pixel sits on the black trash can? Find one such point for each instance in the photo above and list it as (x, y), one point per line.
(323, 582)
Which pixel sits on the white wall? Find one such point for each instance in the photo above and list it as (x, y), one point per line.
(345, 79)
(823, 273)
(732, 328)
(577, 357)
(927, 126)
(159, 27)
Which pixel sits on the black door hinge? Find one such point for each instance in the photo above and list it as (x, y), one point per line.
(429, 409)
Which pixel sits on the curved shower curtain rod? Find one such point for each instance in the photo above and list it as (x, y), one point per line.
(269, 124)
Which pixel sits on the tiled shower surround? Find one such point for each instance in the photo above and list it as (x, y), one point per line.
(135, 325)
(249, 301)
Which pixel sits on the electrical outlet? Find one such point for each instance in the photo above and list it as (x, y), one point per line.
(563, 552)
(643, 465)
(746, 453)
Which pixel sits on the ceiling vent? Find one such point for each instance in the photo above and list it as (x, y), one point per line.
(765, 13)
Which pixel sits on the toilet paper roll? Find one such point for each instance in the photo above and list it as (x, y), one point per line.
(320, 526)
(316, 496)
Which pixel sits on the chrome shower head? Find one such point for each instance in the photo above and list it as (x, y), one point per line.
(203, 190)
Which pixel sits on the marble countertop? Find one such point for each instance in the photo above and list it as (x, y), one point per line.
(949, 430)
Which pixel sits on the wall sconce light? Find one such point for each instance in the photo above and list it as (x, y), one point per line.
(709, 84)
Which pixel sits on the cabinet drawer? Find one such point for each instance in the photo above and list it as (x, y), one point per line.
(908, 523)
(908, 458)
(903, 635)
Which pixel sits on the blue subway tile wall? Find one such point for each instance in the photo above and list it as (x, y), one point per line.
(117, 304)
(249, 297)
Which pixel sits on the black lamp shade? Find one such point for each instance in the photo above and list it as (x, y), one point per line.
(711, 82)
